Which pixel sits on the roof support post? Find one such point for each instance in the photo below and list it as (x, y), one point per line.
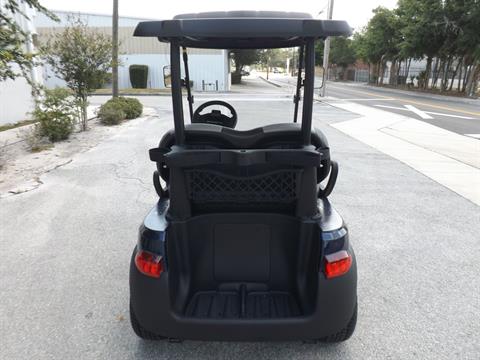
(308, 86)
(296, 97)
(187, 82)
(177, 93)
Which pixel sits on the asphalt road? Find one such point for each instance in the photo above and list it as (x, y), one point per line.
(461, 116)
(448, 113)
(66, 247)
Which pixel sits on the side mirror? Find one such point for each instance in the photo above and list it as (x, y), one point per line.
(167, 76)
(319, 77)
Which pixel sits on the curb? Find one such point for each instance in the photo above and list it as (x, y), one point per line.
(425, 95)
(270, 82)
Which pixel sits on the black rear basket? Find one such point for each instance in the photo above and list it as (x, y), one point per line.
(208, 188)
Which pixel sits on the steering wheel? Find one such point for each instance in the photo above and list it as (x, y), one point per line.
(215, 116)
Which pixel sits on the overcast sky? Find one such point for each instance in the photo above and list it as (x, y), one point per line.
(356, 13)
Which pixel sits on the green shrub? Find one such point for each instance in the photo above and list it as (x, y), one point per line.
(111, 113)
(56, 114)
(121, 108)
(131, 106)
(138, 76)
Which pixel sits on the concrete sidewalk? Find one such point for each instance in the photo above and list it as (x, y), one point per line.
(448, 158)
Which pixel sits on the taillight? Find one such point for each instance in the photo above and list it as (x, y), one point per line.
(337, 264)
(149, 264)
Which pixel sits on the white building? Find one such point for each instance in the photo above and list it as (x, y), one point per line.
(16, 101)
(209, 69)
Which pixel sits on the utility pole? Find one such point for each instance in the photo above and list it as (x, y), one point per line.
(326, 50)
(115, 49)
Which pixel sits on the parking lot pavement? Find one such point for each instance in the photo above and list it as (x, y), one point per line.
(66, 247)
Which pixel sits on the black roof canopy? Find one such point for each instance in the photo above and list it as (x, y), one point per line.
(242, 29)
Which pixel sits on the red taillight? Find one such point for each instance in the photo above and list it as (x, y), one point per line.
(337, 264)
(149, 264)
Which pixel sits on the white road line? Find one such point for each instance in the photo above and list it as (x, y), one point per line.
(476, 136)
(419, 112)
(416, 111)
(392, 107)
(248, 99)
(371, 99)
(450, 115)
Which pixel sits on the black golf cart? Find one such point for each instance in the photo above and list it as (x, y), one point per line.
(243, 243)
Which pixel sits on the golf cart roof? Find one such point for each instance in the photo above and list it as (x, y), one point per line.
(242, 29)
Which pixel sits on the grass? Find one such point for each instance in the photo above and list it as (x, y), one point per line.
(6, 127)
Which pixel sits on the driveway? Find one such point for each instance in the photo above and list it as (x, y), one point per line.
(66, 246)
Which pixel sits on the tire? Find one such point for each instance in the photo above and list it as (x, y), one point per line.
(140, 331)
(343, 334)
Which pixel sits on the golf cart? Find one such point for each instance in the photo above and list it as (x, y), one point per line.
(243, 243)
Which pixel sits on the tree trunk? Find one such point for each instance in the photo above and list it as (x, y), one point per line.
(459, 83)
(379, 66)
(428, 69)
(382, 72)
(446, 70)
(436, 72)
(83, 110)
(468, 68)
(393, 72)
(408, 67)
(455, 74)
(472, 79)
(115, 49)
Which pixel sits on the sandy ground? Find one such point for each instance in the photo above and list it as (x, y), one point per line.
(21, 169)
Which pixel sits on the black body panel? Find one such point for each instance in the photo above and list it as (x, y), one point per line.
(280, 293)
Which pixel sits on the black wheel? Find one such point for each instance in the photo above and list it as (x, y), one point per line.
(140, 331)
(343, 334)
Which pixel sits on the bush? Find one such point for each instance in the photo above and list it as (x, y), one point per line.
(116, 110)
(111, 113)
(138, 76)
(34, 139)
(56, 114)
(131, 106)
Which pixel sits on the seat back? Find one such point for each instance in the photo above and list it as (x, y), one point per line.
(260, 170)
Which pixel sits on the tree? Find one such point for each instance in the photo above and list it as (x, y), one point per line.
(244, 57)
(378, 42)
(319, 48)
(342, 53)
(82, 58)
(16, 59)
(273, 57)
(423, 29)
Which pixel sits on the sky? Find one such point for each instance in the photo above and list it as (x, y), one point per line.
(356, 12)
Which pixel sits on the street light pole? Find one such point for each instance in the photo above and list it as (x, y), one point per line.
(115, 49)
(326, 50)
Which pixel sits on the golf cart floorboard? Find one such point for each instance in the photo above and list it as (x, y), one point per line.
(240, 304)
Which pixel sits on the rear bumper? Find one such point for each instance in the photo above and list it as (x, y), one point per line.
(335, 304)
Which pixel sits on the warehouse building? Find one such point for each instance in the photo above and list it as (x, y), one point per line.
(209, 69)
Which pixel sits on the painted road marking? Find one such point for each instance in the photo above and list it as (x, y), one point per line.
(425, 113)
(371, 99)
(476, 136)
(411, 101)
(419, 112)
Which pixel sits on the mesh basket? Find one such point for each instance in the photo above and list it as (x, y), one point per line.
(213, 187)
